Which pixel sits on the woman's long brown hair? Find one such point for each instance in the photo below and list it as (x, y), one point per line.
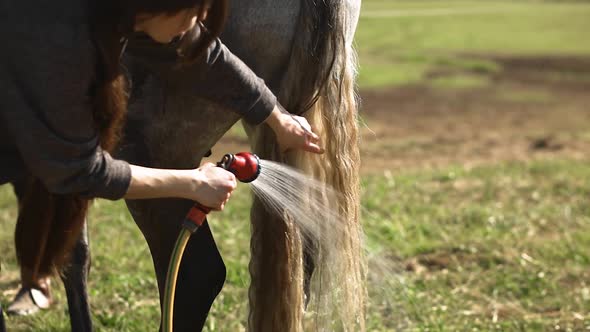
(49, 224)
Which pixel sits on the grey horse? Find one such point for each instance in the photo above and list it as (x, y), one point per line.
(172, 125)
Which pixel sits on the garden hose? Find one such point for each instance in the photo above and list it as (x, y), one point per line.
(246, 167)
(194, 219)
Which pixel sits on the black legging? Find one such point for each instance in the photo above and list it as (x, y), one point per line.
(202, 271)
(2, 327)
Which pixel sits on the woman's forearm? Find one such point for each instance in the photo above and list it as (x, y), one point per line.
(209, 185)
(158, 183)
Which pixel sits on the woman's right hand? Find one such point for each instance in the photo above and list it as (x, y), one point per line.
(215, 186)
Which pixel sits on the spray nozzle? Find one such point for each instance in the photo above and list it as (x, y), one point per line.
(244, 165)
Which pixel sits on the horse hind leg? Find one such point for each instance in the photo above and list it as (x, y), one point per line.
(2, 325)
(202, 270)
(74, 278)
(175, 139)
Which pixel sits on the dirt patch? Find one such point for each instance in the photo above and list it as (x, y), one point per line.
(451, 258)
(533, 108)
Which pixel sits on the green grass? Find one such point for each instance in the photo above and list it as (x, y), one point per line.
(401, 49)
(494, 248)
(500, 247)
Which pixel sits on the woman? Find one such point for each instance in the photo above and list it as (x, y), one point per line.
(62, 106)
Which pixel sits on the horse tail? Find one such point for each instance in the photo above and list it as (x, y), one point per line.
(319, 84)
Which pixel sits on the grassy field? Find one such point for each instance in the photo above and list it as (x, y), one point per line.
(400, 41)
(503, 247)
(480, 241)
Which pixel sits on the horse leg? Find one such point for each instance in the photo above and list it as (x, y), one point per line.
(169, 126)
(2, 325)
(202, 271)
(75, 278)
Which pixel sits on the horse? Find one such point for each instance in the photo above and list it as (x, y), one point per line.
(303, 50)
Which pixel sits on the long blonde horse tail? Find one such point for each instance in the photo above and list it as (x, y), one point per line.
(319, 84)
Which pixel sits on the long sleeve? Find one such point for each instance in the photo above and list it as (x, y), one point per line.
(46, 73)
(218, 75)
(227, 80)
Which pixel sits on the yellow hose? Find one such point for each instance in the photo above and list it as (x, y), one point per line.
(248, 165)
(171, 276)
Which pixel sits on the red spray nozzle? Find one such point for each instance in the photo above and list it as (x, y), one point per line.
(246, 168)
(244, 165)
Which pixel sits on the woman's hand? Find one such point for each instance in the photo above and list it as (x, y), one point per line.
(293, 132)
(215, 187)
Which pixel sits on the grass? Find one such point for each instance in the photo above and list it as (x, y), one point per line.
(401, 49)
(500, 247)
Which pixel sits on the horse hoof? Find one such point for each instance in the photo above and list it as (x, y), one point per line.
(28, 301)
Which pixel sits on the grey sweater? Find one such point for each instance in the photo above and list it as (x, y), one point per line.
(47, 67)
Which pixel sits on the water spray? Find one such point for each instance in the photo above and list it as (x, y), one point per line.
(246, 167)
(312, 207)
